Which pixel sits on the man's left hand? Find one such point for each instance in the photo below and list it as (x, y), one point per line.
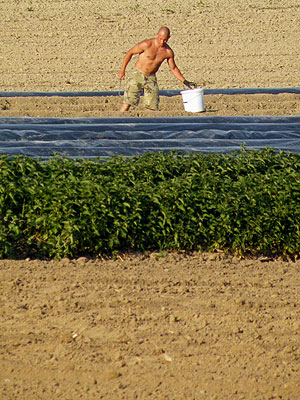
(190, 85)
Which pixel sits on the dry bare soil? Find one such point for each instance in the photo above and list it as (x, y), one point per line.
(157, 326)
(198, 326)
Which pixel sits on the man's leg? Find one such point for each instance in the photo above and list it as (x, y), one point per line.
(151, 93)
(132, 91)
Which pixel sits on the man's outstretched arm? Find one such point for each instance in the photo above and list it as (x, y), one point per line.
(176, 72)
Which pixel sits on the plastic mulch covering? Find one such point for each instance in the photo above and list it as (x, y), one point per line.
(128, 136)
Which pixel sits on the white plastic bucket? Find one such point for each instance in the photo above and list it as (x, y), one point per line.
(193, 100)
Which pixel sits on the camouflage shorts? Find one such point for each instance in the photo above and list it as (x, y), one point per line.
(134, 86)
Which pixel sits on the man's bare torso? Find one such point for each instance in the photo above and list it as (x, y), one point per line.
(151, 58)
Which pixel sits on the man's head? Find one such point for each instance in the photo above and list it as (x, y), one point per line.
(163, 35)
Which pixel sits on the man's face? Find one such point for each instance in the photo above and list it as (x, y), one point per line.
(162, 38)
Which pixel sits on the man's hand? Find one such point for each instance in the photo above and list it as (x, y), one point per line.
(190, 85)
(121, 75)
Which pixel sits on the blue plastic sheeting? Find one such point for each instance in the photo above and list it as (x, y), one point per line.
(162, 92)
(128, 136)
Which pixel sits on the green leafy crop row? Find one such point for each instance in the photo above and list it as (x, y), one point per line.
(243, 202)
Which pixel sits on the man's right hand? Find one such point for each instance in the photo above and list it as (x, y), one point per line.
(190, 85)
(121, 75)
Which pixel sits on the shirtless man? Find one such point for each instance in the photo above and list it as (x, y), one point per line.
(151, 54)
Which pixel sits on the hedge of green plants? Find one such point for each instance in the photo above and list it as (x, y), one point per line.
(247, 202)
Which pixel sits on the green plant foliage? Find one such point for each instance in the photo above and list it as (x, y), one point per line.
(247, 202)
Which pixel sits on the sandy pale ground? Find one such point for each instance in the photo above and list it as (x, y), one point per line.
(80, 44)
(149, 326)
